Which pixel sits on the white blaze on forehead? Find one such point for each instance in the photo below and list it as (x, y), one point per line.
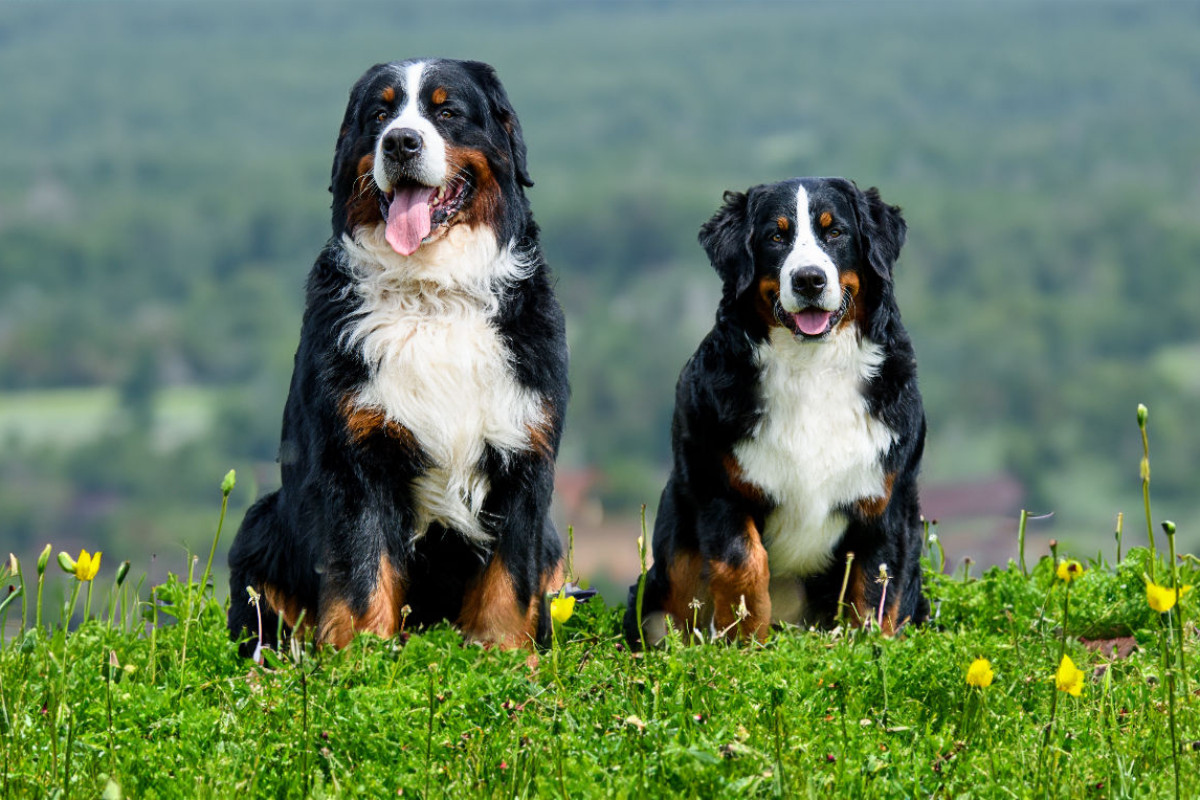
(807, 252)
(430, 165)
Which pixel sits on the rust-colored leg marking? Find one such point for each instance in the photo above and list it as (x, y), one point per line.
(685, 579)
(338, 622)
(493, 613)
(749, 583)
(856, 597)
(287, 607)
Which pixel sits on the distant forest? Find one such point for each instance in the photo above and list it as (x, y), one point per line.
(163, 174)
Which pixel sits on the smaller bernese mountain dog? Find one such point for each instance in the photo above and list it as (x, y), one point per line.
(798, 428)
(428, 391)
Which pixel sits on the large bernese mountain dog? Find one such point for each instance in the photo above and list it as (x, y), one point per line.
(427, 397)
(798, 427)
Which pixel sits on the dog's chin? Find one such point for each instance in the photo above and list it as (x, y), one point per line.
(812, 323)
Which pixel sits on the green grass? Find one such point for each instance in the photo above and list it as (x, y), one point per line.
(126, 709)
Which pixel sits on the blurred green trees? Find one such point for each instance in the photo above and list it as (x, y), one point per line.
(162, 195)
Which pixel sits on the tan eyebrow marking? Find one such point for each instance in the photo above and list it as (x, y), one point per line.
(439, 95)
(782, 223)
(826, 219)
(389, 94)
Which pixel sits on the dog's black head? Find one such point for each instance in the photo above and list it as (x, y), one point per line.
(808, 254)
(425, 145)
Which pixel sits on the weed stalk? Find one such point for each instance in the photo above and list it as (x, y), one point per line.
(1169, 679)
(42, 561)
(1021, 541)
(429, 730)
(1119, 534)
(641, 586)
(841, 604)
(1062, 651)
(153, 633)
(115, 595)
(112, 665)
(1169, 529)
(20, 576)
(1142, 414)
(227, 484)
(777, 697)
(187, 622)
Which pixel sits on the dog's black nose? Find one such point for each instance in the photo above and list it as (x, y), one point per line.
(402, 144)
(808, 281)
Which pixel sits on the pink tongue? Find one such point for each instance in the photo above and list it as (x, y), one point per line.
(812, 321)
(408, 219)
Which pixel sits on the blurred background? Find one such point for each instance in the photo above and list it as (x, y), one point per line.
(163, 174)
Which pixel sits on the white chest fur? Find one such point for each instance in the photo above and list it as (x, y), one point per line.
(816, 446)
(438, 365)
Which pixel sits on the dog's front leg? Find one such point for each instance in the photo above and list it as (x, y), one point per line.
(505, 603)
(738, 573)
(362, 586)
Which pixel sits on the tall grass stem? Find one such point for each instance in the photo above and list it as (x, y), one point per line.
(641, 586)
(1144, 470)
(226, 487)
(1021, 541)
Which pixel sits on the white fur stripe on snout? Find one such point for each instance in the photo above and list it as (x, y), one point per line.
(807, 252)
(430, 167)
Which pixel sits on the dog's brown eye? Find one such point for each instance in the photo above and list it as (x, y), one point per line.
(776, 237)
(381, 116)
(445, 113)
(834, 233)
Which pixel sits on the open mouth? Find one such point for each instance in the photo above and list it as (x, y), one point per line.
(413, 210)
(812, 322)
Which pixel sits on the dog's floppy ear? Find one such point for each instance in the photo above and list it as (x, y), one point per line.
(505, 115)
(884, 230)
(726, 239)
(348, 131)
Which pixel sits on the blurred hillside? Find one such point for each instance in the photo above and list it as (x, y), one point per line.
(163, 173)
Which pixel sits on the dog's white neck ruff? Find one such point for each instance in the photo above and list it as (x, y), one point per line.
(815, 448)
(437, 363)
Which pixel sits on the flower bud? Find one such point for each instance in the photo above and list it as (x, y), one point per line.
(66, 563)
(43, 559)
(1143, 413)
(14, 566)
(1168, 527)
(122, 571)
(229, 481)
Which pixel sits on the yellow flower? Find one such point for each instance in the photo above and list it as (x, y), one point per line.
(87, 565)
(1163, 598)
(1069, 570)
(980, 673)
(561, 609)
(1069, 678)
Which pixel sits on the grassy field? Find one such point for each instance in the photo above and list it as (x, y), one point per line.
(146, 698)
